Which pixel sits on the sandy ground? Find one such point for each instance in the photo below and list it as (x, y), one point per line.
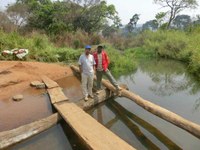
(16, 76)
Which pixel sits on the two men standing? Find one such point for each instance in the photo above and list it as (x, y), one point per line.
(98, 62)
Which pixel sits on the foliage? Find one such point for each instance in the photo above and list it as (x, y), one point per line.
(182, 21)
(175, 44)
(175, 7)
(56, 17)
(121, 62)
(133, 22)
(151, 25)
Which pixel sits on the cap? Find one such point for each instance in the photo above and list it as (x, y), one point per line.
(87, 47)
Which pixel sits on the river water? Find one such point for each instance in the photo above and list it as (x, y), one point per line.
(164, 82)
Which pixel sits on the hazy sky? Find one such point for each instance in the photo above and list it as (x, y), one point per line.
(127, 8)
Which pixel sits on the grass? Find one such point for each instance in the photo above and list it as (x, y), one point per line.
(173, 44)
(42, 50)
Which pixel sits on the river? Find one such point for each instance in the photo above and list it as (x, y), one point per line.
(164, 82)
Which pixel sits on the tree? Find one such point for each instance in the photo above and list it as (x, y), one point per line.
(182, 21)
(160, 18)
(92, 19)
(18, 14)
(175, 7)
(55, 17)
(133, 22)
(5, 23)
(197, 20)
(152, 25)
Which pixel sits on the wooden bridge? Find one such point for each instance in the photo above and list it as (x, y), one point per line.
(94, 135)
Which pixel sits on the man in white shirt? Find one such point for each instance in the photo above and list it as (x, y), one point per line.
(86, 65)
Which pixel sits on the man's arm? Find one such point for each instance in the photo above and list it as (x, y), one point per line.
(94, 64)
(80, 64)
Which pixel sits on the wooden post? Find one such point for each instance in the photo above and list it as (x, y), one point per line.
(163, 113)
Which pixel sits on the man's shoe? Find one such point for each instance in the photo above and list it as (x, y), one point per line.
(86, 98)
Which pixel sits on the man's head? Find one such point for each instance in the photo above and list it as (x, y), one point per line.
(87, 49)
(99, 49)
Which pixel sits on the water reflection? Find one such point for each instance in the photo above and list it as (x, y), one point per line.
(166, 78)
(134, 124)
(169, 77)
(120, 110)
(163, 82)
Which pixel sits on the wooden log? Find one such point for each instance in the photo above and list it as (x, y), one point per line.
(11, 137)
(163, 113)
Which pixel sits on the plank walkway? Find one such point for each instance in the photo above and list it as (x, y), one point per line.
(94, 135)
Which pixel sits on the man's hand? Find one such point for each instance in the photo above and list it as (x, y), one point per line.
(94, 68)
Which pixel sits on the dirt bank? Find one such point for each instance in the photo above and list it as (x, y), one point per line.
(15, 78)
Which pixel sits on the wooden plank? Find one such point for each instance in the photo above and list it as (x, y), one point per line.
(95, 135)
(11, 137)
(49, 83)
(56, 95)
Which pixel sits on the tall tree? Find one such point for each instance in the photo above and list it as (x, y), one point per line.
(175, 7)
(182, 21)
(5, 23)
(93, 18)
(160, 18)
(133, 22)
(18, 14)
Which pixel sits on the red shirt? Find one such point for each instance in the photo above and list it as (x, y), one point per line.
(105, 60)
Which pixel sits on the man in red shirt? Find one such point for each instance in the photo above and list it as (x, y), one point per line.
(102, 62)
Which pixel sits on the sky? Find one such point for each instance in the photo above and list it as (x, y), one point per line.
(127, 8)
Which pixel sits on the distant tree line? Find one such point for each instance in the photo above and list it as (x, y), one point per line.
(90, 16)
(56, 17)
